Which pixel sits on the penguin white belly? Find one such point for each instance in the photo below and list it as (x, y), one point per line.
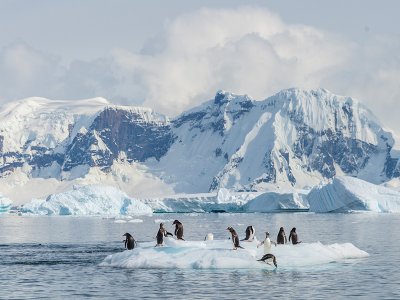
(267, 246)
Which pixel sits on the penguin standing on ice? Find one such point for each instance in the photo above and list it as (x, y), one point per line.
(162, 232)
(178, 230)
(235, 238)
(267, 243)
(129, 241)
(250, 233)
(281, 239)
(293, 236)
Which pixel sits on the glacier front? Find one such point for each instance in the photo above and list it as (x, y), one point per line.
(346, 194)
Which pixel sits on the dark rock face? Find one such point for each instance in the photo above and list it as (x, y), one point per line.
(327, 147)
(114, 131)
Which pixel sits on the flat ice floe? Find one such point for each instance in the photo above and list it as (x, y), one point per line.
(218, 254)
(346, 194)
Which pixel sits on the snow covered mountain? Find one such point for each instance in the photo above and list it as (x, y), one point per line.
(295, 138)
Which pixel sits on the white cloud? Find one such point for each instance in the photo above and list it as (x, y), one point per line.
(244, 50)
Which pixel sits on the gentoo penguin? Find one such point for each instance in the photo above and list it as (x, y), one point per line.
(293, 236)
(178, 229)
(129, 241)
(268, 257)
(250, 232)
(281, 239)
(235, 238)
(267, 243)
(160, 235)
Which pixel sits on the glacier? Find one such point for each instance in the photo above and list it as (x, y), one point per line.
(346, 194)
(218, 254)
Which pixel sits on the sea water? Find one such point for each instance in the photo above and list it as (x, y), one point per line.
(66, 257)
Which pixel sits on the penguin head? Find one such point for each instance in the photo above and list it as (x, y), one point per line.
(127, 235)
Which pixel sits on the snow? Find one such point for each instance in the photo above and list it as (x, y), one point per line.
(218, 254)
(346, 194)
(44, 122)
(5, 204)
(240, 144)
(88, 200)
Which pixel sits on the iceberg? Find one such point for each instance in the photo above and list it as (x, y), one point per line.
(277, 202)
(346, 194)
(88, 200)
(223, 201)
(218, 254)
(5, 204)
(226, 201)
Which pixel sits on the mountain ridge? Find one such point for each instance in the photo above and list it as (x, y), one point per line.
(293, 139)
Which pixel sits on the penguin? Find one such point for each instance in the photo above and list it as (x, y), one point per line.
(129, 241)
(268, 257)
(267, 243)
(161, 234)
(250, 232)
(235, 238)
(209, 237)
(178, 229)
(293, 236)
(281, 239)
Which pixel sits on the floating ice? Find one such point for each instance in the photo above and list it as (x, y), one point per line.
(272, 202)
(136, 221)
(5, 204)
(88, 200)
(216, 254)
(346, 194)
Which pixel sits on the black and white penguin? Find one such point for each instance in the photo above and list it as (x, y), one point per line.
(235, 238)
(293, 236)
(268, 257)
(129, 241)
(250, 233)
(162, 232)
(178, 229)
(281, 238)
(267, 243)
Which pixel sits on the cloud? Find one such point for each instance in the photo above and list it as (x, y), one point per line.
(247, 50)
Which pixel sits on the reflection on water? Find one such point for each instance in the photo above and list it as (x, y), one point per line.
(59, 257)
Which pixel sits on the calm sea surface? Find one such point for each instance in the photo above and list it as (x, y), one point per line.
(59, 257)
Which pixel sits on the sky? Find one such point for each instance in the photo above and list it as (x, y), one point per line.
(173, 55)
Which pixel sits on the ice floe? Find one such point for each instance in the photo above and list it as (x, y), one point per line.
(217, 254)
